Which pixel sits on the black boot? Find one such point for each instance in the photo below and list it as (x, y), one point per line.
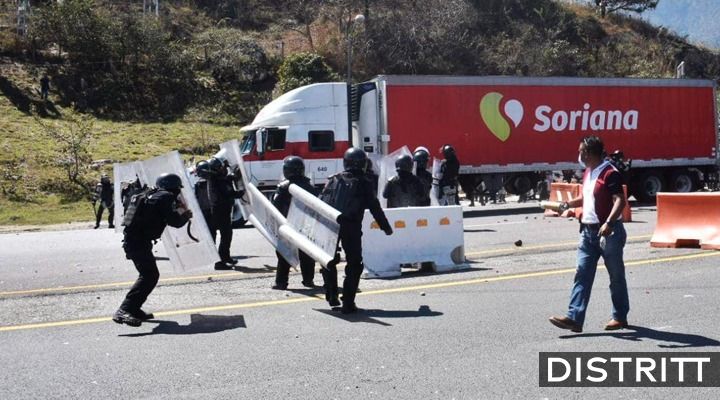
(332, 298)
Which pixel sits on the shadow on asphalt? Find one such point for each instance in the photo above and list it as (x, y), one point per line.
(369, 316)
(413, 273)
(495, 212)
(675, 340)
(198, 324)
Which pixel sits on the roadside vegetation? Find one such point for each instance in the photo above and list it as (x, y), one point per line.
(127, 85)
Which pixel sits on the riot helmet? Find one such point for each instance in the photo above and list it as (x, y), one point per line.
(202, 169)
(421, 157)
(104, 178)
(293, 166)
(170, 182)
(354, 159)
(448, 151)
(404, 163)
(215, 165)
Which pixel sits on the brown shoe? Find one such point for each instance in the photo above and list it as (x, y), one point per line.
(566, 323)
(614, 325)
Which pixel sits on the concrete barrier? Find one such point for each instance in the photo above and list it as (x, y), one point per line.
(421, 234)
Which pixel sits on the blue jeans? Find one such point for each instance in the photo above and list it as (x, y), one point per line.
(588, 254)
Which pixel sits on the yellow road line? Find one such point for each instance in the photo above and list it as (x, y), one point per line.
(366, 293)
(542, 246)
(237, 274)
(121, 284)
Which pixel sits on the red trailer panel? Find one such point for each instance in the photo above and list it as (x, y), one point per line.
(527, 124)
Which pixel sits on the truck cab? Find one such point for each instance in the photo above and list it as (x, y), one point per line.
(310, 122)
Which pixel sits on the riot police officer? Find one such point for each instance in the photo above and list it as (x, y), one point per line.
(202, 170)
(104, 193)
(421, 157)
(404, 189)
(448, 182)
(148, 214)
(351, 193)
(294, 173)
(222, 195)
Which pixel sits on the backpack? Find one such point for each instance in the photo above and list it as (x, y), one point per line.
(136, 209)
(341, 192)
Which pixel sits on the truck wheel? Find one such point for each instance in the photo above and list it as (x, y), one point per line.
(648, 185)
(519, 184)
(682, 181)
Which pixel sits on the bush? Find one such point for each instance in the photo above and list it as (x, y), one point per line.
(302, 69)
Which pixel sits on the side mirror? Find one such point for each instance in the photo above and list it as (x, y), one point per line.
(260, 141)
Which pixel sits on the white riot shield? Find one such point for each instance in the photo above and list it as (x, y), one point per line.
(387, 171)
(316, 221)
(268, 220)
(191, 246)
(124, 174)
(230, 151)
(435, 190)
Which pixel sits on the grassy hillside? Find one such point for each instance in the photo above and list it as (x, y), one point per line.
(188, 80)
(25, 146)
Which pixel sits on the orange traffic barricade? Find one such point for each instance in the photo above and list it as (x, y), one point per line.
(565, 191)
(560, 192)
(687, 220)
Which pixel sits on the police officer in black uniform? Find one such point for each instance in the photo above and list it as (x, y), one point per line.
(449, 171)
(145, 222)
(222, 196)
(294, 173)
(351, 193)
(202, 171)
(404, 189)
(128, 191)
(421, 158)
(374, 177)
(104, 193)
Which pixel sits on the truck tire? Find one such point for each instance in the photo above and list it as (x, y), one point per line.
(683, 181)
(518, 184)
(648, 185)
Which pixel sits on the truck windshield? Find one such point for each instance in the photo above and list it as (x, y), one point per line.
(248, 142)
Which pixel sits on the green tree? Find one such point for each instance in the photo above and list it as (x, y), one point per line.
(71, 138)
(302, 69)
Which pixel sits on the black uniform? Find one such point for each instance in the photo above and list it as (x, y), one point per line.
(104, 193)
(222, 196)
(426, 180)
(281, 200)
(127, 193)
(351, 193)
(158, 212)
(203, 197)
(450, 169)
(404, 190)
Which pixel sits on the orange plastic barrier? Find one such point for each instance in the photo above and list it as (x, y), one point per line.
(687, 220)
(627, 213)
(567, 191)
(563, 192)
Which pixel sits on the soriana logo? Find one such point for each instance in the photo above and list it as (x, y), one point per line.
(498, 119)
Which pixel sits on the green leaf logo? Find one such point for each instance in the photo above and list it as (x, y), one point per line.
(495, 121)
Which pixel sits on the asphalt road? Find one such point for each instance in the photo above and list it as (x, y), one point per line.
(473, 334)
